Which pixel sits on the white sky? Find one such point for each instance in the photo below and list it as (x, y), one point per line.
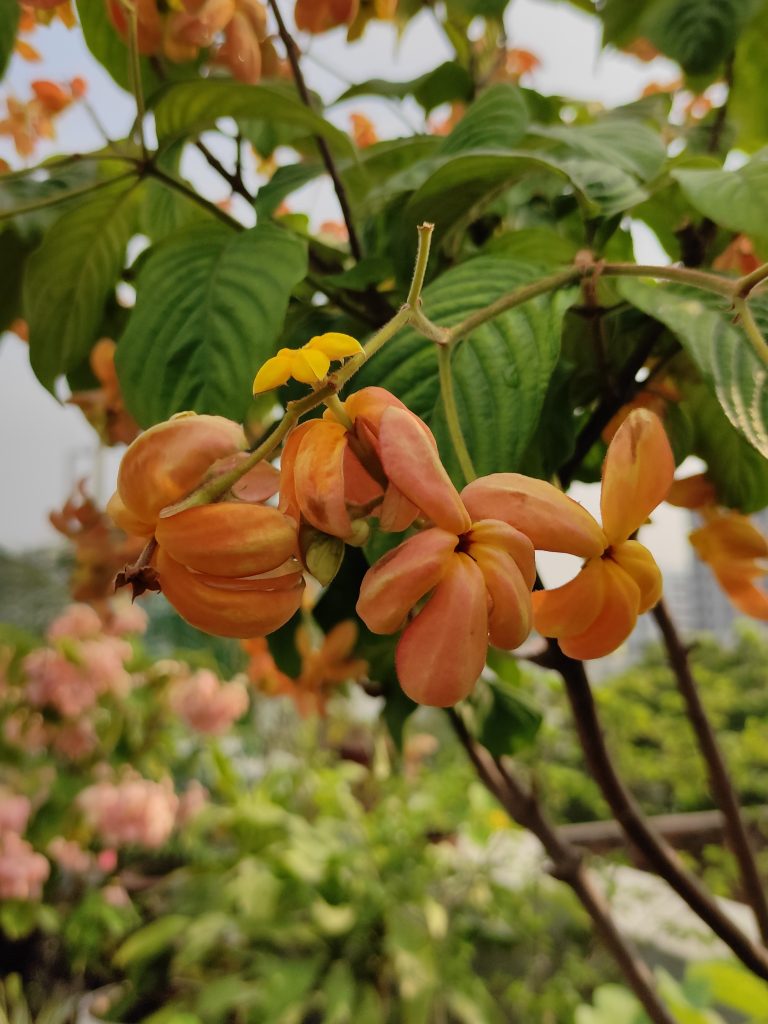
(45, 447)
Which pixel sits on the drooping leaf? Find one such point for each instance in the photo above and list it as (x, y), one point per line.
(446, 83)
(500, 372)
(747, 96)
(70, 276)
(284, 181)
(629, 145)
(507, 722)
(733, 199)
(13, 254)
(210, 306)
(609, 189)
(151, 940)
(722, 353)
(733, 986)
(187, 108)
(698, 34)
(9, 22)
(497, 120)
(739, 473)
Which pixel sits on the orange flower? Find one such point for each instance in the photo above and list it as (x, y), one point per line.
(320, 15)
(594, 613)
(737, 553)
(386, 461)
(479, 579)
(363, 130)
(738, 255)
(103, 407)
(656, 396)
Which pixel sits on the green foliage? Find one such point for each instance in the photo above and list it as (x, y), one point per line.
(698, 34)
(500, 373)
(447, 83)
(9, 20)
(734, 199)
(70, 276)
(210, 306)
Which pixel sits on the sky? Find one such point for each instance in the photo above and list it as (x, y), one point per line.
(45, 446)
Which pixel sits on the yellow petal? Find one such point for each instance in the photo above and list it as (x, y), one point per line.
(636, 560)
(637, 474)
(309, 367)
(273, 373)
(335, 345)
(615, 620)
(572, 608)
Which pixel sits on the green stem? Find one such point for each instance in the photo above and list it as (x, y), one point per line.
(340, 413)
(452, 413)
(745, 284)
(195, 197)
(752, 331)
(60, 197)
(420, 268)
(725, 286)
(138, 94)
(66, 161)
(515, 298)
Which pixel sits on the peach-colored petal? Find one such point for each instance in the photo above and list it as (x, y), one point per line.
(637, 474)
(747, 597)
(258, 484)
(729, 535)
(289, 503)
(412, 464)
(635, 559)
(510, 615)
(506, 537)
(359, 486)
(229, 538)
(126, 519)
(442, 652)
(572, 608)
(370, 404)
(319, 478)
(396, 512)
(402, 577)
(614, 622)
(692, 492)
(552, 520)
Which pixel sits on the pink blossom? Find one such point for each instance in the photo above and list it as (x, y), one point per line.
(69, 855)
(106, 861)
(192, 801)
(116, 895)
(22, 871)
(103, 664)
(134, 811)
(14, 812)
(78, 621)
(127, 619)
(25, 730)
(74, 739)
(53, 680)
(206, 704)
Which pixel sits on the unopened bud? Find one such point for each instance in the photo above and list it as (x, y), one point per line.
(321, 553)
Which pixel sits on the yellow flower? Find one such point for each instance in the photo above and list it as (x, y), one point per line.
(308, 364)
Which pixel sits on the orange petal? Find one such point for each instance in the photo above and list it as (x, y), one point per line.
(370, 404)
(747, 597)
(510, 615)
(258, 484)
(692, 492)
(228, 538)
(552, 520)
(288, 501)
(442, 652)
(615, 621)
(410, 460)
(126, 520)
(572, 608)
(729, 535)
(402, 577)
(225, 611)
(359, 486)
(635, 559)
(637, 474)
(396, 512)
(319, 478)
(506, 537)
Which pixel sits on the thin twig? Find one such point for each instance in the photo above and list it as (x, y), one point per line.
(657, 853)
(452, 413)
(60, 197)
(748, 323)
(567, 865)
(719, 777)
(234, 180)
(293, 52)
(129, 6)
(194, 197)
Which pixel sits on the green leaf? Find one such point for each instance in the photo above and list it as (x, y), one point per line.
(723, 355)
(152, 940)
(70, 276)
(500, 373)
(533, 245)
(109, 49)
(210, 306)
(497, 120)
(698, 34)
(283, 182)
(747, 96)
(733, 986)
(612, 1005)
(166, 210)
(188, 108)
(446, 83)
(739, 473)
(507, 722)
(607, 187)
(9, 22)
(13, 254)
(733, 199)
(627, 144)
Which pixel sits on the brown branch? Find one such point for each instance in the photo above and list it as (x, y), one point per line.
(657, 853)
(719, 778)
(293, 53)
(567, 865)
(234, 180)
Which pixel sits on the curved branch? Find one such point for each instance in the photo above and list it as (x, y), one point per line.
(719, 779)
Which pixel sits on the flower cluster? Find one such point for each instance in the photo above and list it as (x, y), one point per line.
(461, 581)
(28, 122)
(130, 812)
(22, 871)
(206, 704)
